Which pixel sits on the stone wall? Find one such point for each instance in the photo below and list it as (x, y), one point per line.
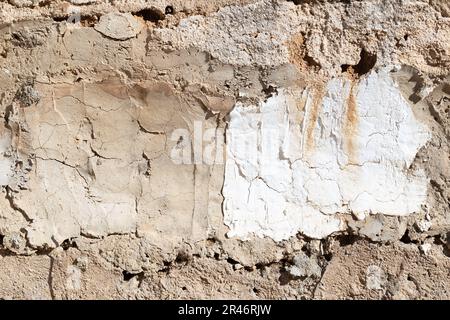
(224, 149)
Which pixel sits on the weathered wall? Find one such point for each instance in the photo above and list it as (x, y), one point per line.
(224, 149)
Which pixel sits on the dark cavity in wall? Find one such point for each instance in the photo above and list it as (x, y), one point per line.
(183, 257)
(347, 239)
(69, 243)
(127, 276)
(269, 91)
(169, 10)
(406, 238)
(366, 62)
(298, 2)
(150, 14)
(60, 18)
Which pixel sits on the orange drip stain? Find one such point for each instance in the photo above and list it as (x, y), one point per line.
(351, 126)
(301, 104)
(295, 48)
(313, 116)
(114, 87)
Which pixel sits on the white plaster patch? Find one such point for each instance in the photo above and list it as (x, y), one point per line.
(297, 160)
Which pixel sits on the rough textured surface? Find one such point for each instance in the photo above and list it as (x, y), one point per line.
(298, 159)
(224, 149)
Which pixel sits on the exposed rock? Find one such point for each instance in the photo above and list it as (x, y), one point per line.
(376, 278)
(28, 95)
(29, 38)
(255, 149)
(377, 271)
(380, 228)
(119, 26)
(15, 242)
(305, 266)
(425, 248)
(78, 2)
(24, 3)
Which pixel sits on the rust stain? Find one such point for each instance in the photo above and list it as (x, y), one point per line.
(351, 126)
(313, 116)
(296, 51)
(114, 87)
(152, 92)
(301, 104)
(298, 54)
(138, 93)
